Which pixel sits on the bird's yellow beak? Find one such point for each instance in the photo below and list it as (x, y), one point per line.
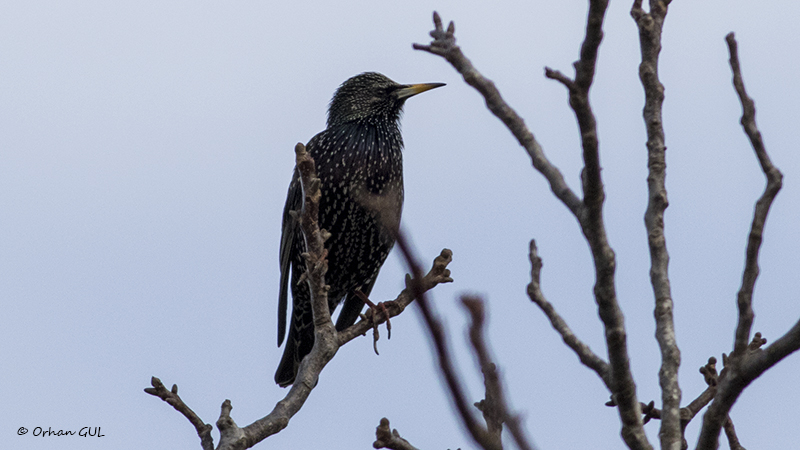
(411, 90)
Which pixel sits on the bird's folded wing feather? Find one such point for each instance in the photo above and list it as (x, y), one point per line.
(294, 200)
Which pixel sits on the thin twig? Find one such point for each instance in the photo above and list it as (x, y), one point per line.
(709, 372)
(174, 400)
(448, 369)
(385, 437)
(746, 363)
(650, 28)
(444, 45)
(730, 433)
(438, 274)
(494, 406)
(585, 354)
(491, 406)
(774, 183)
(688, 412)
(739, 372)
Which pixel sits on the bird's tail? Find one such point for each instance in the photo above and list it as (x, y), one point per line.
(298, 345)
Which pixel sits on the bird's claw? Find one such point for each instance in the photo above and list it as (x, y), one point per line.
(374, 309)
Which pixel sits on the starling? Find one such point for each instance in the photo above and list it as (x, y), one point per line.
(358, 156)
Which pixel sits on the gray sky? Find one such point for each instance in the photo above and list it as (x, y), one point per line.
(145, 151)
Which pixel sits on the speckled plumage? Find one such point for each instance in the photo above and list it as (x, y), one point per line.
(359, 155)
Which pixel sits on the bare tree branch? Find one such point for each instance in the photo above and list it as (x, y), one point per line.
(589, 211)
(709, 372)
(622, 384)
(494, 406)
(493, 414)
(438, 274)
(448, 370)
(444, 45)
(385, 437)
(730, 433)
(173, 399)
(688, 412)
(739, 372)
(325, 343)
(585, 354)
(326, 339)
(747, 361)
(650, 27)
(774, 183)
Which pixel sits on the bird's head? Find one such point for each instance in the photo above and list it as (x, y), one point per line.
(372, 95)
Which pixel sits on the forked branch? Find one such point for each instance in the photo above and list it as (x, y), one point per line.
(444, 45)
(748, 360)
(588, 211)
(326, 339)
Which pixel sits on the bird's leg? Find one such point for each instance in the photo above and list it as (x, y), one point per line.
(380, 306)
(375, 309)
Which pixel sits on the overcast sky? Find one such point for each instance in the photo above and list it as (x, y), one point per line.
(145, 152)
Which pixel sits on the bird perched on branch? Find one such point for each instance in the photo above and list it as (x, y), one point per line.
(359, 156)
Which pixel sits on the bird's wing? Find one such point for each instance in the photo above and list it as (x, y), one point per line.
(294, 199)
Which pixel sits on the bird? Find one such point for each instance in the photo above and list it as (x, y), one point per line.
(358, 155)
